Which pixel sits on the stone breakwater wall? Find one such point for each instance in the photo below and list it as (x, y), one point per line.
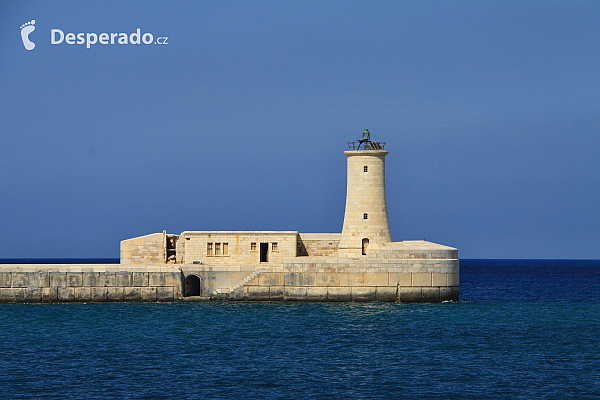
(381, 285)
(38, 283)
(332, 280)
(299, 279)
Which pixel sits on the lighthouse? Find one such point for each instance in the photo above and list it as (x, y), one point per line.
(360, 264)
(365, 220)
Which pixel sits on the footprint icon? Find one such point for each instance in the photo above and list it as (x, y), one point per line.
(26, 29)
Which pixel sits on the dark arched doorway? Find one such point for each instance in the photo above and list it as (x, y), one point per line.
(192, 285)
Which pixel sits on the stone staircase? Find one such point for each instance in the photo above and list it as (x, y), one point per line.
(235, 289)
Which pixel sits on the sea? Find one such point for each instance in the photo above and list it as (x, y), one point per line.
(523, 329)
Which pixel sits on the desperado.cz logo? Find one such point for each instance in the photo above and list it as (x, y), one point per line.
(57, 36)
(26, 29)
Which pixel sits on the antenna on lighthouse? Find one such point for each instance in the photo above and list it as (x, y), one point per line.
(366, 143)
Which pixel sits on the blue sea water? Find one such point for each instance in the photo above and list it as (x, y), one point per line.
(523, 329)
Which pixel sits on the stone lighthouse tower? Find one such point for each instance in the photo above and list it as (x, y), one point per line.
(366, 220)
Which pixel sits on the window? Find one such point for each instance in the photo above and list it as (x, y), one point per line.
(366, 168)
(217, 249)
(253, 246)
(365, 216)
(225, 249)
(274, 246)
(209, 249)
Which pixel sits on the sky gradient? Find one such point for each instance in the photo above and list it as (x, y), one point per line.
(490, 111)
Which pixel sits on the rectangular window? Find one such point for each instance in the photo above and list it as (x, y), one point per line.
(253, 246)
(274, 246)
(225, 249)
(217, 249)
(209, 249)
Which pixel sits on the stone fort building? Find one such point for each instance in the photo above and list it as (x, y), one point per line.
(361, 263)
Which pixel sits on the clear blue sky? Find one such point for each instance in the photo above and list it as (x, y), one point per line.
(490, 111)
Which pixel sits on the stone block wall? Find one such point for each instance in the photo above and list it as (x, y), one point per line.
(89, 283)
(398, 277)
(350, 286)
(144, 249)
(281, 244)
(338, 279)
(413, 250)
(318, 244)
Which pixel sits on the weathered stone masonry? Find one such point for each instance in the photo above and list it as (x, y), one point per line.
(89, 283)
(416, 276)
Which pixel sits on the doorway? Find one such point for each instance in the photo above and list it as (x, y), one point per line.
(192, 285)
(264, 252)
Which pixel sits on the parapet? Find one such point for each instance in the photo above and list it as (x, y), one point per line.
(412, 249)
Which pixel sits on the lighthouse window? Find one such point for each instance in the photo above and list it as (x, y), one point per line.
(365, 216)
(366, 168)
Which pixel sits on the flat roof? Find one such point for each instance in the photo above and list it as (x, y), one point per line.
(415, 245)
(192, 233)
